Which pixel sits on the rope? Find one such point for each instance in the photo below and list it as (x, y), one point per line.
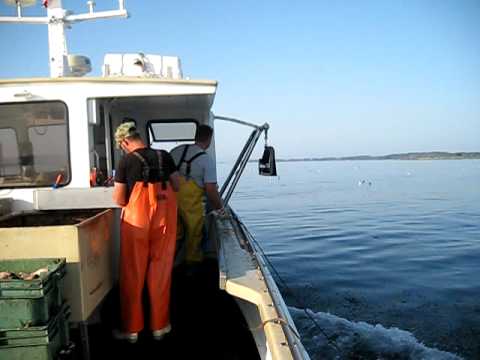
(288, 290)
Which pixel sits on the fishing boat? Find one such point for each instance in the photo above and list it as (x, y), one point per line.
(57, 162)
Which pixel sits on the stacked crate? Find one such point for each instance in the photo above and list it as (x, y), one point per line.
(33, 315)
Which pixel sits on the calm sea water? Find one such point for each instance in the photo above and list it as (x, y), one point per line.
(385, 255)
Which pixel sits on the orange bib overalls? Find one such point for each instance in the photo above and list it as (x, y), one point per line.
(148, 237)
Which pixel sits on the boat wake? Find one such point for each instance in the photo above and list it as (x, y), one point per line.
(359, 340)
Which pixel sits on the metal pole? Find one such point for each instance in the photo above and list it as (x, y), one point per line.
(243, 158)
(246, 123)
(237, 162)
(242, 166)
(84, 339)
(58, 19)
(108, 138)
(19, 10)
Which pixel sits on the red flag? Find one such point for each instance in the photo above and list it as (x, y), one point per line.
(45, 3)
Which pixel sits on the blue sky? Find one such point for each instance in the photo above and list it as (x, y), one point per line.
(332, 78)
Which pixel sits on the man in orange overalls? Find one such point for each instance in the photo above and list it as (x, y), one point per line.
(145, 184)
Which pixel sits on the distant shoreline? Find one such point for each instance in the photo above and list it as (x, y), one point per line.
(434, 155)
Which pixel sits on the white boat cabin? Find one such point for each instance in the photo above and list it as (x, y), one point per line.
(56, 134)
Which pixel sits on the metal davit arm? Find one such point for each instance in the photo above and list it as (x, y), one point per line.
(234, 176)
(238, 167)
(246, 123)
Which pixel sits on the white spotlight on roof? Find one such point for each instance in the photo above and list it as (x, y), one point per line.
(22, 3)
(79, 65)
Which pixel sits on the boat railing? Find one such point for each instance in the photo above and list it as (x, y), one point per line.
(284, 318)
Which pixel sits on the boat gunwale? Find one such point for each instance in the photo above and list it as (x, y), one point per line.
(256, 286)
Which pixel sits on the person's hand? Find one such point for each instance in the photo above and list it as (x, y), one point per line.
(220, 212)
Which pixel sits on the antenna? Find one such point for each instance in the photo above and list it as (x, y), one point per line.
(58, 19)
(20, 4)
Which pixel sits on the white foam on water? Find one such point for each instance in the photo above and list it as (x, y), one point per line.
(360, 340)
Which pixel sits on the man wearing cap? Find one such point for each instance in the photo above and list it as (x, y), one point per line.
(145, 184)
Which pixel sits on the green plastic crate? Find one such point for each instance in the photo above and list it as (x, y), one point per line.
(37, 342)
(25, 303)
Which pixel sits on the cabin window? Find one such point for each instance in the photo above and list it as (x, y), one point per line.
(8, 152)
(167, 134)
(34, 144)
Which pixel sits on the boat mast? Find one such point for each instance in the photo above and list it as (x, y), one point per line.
(58, 19)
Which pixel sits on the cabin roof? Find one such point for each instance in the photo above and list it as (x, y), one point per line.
(108, 80)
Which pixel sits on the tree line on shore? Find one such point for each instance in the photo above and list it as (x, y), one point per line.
(433, 155)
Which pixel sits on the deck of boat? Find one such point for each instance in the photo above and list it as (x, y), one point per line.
(206, 324)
